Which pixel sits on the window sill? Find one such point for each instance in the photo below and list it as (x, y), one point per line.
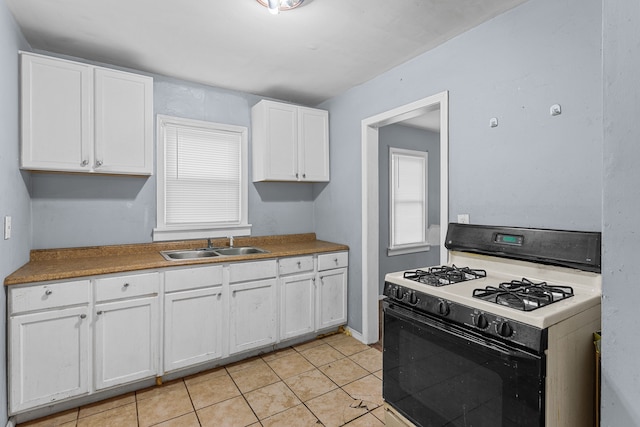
(186, 233)
(403, 250)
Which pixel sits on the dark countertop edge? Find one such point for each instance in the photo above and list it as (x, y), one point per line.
(54, 269)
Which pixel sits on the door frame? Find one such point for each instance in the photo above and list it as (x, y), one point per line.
(370, 197)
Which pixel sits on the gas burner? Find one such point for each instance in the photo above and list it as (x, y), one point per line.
(524, 294)
(444, 275)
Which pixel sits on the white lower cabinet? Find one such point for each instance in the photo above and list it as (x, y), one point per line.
(193, 318)
(69, 339)
(48, 357)
(297, 296)
(127, 330)
(48, 343)
(252, 305)
(331, 304)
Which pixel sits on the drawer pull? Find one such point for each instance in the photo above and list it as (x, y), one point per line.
(83, 316)
(126, 285)
(336, 260)
(99, 313)
(299, 264)
(48, 292)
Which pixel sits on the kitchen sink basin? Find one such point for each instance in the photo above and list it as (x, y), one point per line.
(188, 254)
(245, 250)
(177, 255)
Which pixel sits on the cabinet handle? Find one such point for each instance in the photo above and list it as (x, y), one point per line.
(85, 162)
(299, 264)
(126, 285)
(297, 176)
(99, 313)
(48, 292)
(336, 261)
(98, 163)
(83, 316)
(304, 175)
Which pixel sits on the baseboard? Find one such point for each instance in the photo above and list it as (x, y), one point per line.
(357, 335)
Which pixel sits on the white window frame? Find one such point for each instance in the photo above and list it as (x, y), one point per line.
(421, 244)
(164, 231)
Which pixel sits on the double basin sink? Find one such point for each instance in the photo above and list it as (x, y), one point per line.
(181, 254)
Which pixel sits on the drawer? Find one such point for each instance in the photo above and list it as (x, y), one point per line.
(333, 260)
(295, 265)
(192, 278)
(244, 271)
(49, 295)
(110, 288)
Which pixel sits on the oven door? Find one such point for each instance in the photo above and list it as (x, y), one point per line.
(438, 374)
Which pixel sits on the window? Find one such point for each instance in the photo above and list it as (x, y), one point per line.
(202, 180)
(408, 220)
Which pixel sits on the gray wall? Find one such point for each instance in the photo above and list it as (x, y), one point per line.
(82, 210)
(621, 203)
(410, 138)
(14, 199)
(533, 169)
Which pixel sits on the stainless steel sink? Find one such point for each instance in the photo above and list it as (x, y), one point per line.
(177, 255)
(245, 250)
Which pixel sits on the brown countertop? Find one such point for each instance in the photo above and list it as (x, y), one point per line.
(69, 263)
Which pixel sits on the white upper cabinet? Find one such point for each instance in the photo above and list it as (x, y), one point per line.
(82, 118)
(290, 143)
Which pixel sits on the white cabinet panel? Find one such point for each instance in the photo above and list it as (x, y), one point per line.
(56, 108)
(252, 317)
(126, 341)
(331, 304)
(297, 305)
(48, 357)
(123, 126)
(192, 327)
(290, 143)
(83, 118)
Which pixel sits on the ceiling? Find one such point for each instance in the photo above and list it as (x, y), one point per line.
(306, 55)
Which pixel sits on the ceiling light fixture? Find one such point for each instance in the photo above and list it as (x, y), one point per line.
(275, 6)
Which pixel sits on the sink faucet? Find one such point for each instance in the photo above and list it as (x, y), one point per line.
(230, 241)
(209, 245)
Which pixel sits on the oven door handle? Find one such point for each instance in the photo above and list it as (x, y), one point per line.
(457, 331)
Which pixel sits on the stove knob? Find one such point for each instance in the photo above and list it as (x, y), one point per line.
(504, 329)
(442, 308)
(481, 321)
(413, 298)
(398, 293)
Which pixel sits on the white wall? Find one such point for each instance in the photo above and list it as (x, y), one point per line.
(14, 200)
(621, 204)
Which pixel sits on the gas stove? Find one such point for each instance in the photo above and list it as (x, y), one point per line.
(506, 316)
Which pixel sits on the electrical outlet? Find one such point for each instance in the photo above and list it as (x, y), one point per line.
(463, 218)
(7, 227)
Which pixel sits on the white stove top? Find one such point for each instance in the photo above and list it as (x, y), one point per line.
(587, 287)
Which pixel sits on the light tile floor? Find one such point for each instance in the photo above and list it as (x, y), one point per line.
(332, 381)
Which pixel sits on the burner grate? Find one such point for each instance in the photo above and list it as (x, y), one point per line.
(524, 294)
(444, 275)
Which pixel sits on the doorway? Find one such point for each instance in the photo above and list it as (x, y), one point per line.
(370, 200)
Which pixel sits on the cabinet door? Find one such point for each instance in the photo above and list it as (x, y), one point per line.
(48, 355)
(313, 131)
(123, 123)
(192, 327)
(332, 298)
(297, 305)
(275, 142)
(126, 341)
(56, 109)
(253, 315)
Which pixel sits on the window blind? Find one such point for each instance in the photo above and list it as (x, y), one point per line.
(203, 176)
(408, 197)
